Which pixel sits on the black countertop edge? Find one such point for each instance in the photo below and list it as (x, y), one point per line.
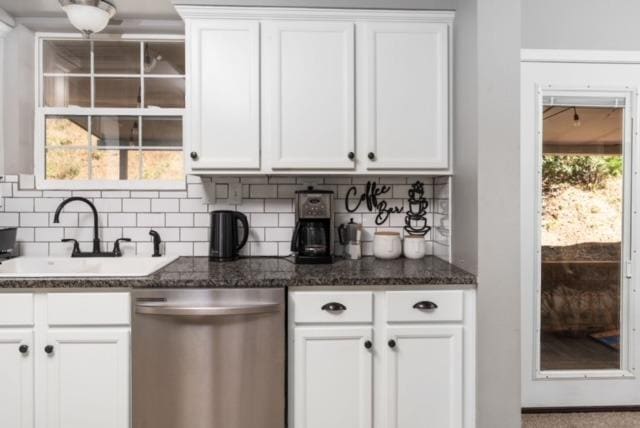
(272, 272)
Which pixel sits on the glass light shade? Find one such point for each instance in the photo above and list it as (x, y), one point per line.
(86, 18)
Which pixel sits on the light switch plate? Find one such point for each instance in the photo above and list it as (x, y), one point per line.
(235, 194)
(209, 192)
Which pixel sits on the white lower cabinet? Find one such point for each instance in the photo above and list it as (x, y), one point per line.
(16, 378)
(88, 378)
(403, 359)
(75, 375)
(332, 377)
(424, 372)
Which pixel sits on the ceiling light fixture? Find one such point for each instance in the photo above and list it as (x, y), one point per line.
(88, 16)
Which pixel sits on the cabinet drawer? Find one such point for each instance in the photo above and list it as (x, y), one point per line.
(308, 307)
(88, 309)
(448, 306)
(16, 309)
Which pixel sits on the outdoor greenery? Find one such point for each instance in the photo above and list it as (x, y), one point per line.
(587, 172)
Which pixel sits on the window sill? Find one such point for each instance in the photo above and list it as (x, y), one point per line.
(42, 184)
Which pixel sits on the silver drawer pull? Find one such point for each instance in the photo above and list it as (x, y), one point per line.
(425, 305)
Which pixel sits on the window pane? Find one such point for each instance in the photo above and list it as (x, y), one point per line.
(116, 57)
(581, 248)
(66, 56)
(164, 58)
(66, 131)
(117, 92)
(115, 165)
(115, 130)
(162, 92)
(162, 165)
(162, 131)
(67, 164)
(63, 91)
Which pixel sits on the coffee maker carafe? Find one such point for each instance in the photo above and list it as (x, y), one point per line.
(312, 240)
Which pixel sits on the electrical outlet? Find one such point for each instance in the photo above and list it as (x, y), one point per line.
(235, 194)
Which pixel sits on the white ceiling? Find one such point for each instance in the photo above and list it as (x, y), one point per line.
(148, 9)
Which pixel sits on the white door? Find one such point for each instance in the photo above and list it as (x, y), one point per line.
(88, 378)
(403, 91)
(16, 379)
(424, 377)
(223, 94)
(309, 94)
(579, 233)
(332, 377)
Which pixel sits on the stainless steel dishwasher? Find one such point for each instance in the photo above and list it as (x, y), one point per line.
(211, 358)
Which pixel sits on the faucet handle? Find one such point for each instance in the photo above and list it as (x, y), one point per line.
(116, 246)
(76, 246)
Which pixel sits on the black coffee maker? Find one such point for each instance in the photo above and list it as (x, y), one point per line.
(312, 240)
(225, 244)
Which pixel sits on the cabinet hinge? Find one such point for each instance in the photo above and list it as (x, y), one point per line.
(628, 269)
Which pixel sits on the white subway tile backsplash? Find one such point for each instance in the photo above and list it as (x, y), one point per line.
(183, 220)
(165, 205)
(34, 219)
(122, 220)
(194, 234)
(47, 234)
(179, 220)
(192, 206)
(264, 220)
(151, 220)
(136, 205)
(263, 191)
(18, 204)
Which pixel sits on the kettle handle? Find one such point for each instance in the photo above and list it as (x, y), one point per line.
(294, 238)
(245, 227)
(341, 230)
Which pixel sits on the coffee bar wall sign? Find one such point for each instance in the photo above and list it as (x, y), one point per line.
(415, 221)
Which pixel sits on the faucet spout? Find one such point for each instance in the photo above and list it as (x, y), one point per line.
(56, 218)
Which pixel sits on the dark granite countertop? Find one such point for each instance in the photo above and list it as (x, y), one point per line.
(198, 272)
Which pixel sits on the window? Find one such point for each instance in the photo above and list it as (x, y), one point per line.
(110, 113)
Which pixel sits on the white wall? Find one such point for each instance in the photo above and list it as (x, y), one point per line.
(485, 203)
(581, 24)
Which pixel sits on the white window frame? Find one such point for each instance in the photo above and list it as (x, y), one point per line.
(41, 112)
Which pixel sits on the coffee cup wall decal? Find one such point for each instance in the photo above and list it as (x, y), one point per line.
(415, 221)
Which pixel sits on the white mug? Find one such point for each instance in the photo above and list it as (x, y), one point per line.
(413, 246)
(387, 245)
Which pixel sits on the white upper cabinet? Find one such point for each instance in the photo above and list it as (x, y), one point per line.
(309, 95)
(223, 95)
(403, 95)
(308, 91)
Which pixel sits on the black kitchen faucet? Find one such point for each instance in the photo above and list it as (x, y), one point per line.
(116, 252)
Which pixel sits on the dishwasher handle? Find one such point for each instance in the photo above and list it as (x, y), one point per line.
(208, 311)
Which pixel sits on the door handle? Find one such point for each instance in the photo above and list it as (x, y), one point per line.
(23, 349)
(425, 305)
(206, 311)
(334, 307)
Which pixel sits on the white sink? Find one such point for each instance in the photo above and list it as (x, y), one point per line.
(29, 267)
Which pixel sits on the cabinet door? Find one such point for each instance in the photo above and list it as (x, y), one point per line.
(309, 94)
(16, 379)
(424, 377)
(223, 94)
(88, 378)
(403, 94)
(332, 377)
